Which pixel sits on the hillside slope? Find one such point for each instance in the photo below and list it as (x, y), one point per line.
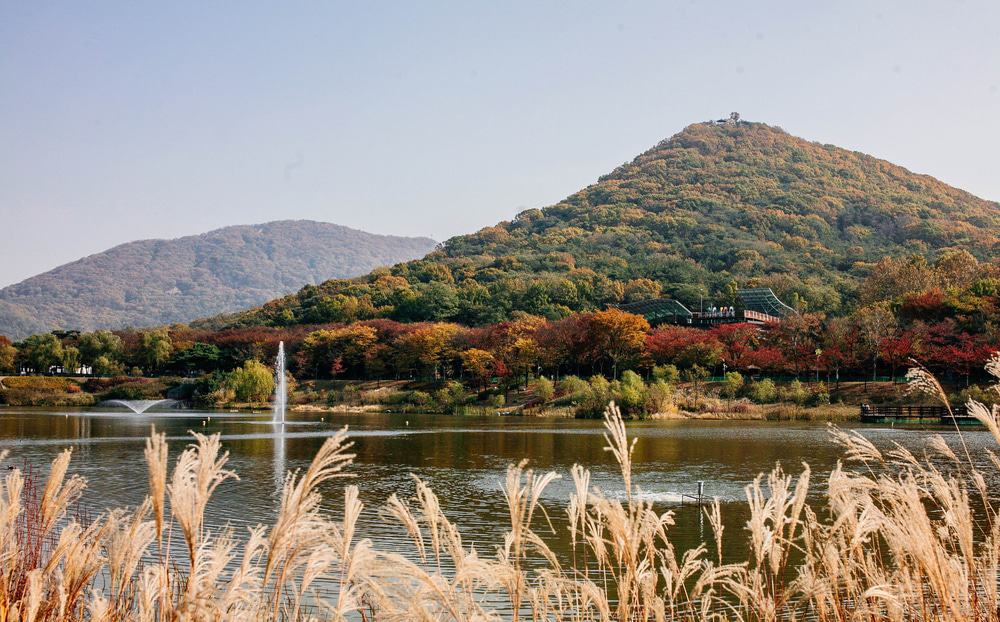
(714, 206)
(152, 282)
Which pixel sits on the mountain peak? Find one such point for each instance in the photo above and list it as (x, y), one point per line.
(150, 282)
(719, 203)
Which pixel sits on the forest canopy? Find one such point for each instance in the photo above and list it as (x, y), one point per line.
(712, 209)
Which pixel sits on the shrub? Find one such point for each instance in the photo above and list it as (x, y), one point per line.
(631, 393)
(543, 389)
(254, 382)
(451, 396)
(731, 385)
(659, 397)
(573, 386)
(763, 391)
(820, 396)
(667, 373)
(796, 393)
(418, 398)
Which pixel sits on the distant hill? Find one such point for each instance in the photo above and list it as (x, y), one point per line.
(153, 282)
(716, 206)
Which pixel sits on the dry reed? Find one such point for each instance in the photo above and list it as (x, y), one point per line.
(896, 537)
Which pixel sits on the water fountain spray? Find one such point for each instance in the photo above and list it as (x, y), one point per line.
(280, 386)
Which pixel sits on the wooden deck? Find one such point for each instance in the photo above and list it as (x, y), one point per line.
(935, 415)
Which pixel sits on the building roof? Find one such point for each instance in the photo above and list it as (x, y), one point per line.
(762, 299)
(657, 310)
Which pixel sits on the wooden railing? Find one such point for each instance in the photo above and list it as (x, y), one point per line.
(896, 412)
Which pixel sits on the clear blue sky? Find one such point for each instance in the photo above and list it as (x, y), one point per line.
(121, 121)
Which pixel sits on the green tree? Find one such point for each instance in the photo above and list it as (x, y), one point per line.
(731, 386)
(97, 344)
(40, 352)
(631, 392)
(666, 373)
(198, 356)
(155, 348)
(763, 391)
(70, 359)
(253, 383)
(104, 366)
(543, 388)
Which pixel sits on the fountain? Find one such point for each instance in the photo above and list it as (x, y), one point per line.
(280, 386)
(140, 406)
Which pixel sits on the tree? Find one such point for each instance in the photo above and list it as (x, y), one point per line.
(155, 348)
(40, 352)
(70, 360)
(198, 356)
(731, 386)
(331, 352)
(798, 337)
(427, 348)
(97, 344)
(874, 323)
(479, 364)
(618, 335)
(543, 388)
(695, 374)
(103, 366)
(8, 356)
(254, 382)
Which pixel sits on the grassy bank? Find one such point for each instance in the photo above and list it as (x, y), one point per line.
(567, 397)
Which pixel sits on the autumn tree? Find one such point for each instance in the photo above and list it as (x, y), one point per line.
(619, 335)
(875, 323)
(8, 356)
(331, 352)
(479, 364)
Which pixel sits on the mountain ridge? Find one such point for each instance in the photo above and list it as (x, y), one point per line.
(162, 281)
(713, 206)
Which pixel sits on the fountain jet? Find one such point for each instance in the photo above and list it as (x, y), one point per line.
(140, 406)
(280, 386)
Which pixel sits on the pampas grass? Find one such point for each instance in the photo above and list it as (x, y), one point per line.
(896, 537)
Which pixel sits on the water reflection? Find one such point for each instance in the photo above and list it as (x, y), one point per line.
(463, 459)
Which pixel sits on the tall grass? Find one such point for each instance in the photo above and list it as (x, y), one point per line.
(896, 537)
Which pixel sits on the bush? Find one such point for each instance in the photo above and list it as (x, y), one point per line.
(631, 393)
(418, 398)
(731, 385)
(543, 389)
(666, 373)
(795, 393)
(254, 382)
(573, 386)
(659, 397)
(451, 396)
(820, 396)
(763, 391)
(498, 400)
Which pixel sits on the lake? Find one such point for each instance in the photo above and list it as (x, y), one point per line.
(462, 458)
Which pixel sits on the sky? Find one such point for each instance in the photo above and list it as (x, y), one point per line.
(133, 120)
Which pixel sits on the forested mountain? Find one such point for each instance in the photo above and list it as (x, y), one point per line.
(153, 282)
(717, 206)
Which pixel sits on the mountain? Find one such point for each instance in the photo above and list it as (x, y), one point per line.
(716, 206)
(152, 282)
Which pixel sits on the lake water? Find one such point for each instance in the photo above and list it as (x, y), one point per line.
(462, 458)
